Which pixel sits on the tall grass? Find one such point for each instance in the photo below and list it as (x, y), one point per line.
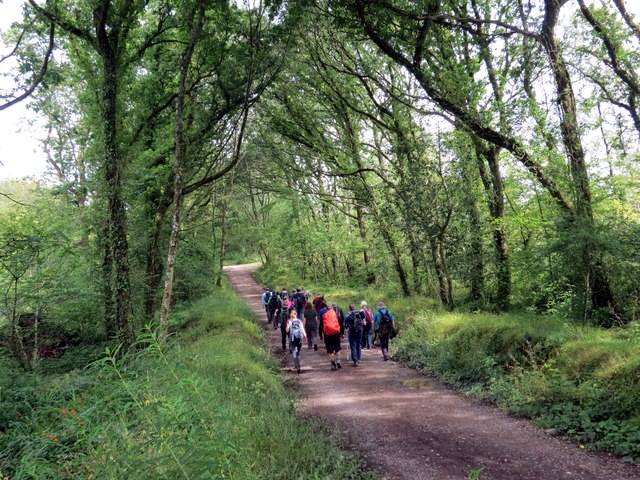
(210, 405)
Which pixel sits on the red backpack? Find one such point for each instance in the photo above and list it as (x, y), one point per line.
(330, 324)
(368, 315)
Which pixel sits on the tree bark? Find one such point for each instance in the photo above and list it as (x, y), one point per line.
(195, 28)
(594, 275)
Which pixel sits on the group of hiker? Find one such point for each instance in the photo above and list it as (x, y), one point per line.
(302, 318)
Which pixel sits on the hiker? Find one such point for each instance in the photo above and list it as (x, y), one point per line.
(311, 325)
(385, 325)
(355, 323)
(284, 318)
(299, 301)
(295, 329)
(319, 303)
(273, 305)
(265, 300)
(332, 329)
(277, 313)
(367, 333)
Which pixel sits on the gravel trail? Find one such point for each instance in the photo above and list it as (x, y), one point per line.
(408, 426)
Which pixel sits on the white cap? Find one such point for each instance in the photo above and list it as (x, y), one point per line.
(363, 303)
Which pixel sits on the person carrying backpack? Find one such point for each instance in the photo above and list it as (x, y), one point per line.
(295, 329)
(284, 318)
(319, 303)
(385, 325)
(273, 305)
(311, 325)
(299, 301)
(278, 311)
(367, 334)
(265, 300)
(332, 329)
(355, 323)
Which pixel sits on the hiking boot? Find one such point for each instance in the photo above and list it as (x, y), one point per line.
(315, 347)
(333, 366)
(298, 370)
(386, 358)
(338, 364)
(355, 364)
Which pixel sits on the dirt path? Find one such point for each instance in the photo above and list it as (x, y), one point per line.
(407, 426)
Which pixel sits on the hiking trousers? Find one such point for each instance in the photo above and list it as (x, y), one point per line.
(312, 334)
(384, 343)
(367, 336)
(355, 345)
(295, 352)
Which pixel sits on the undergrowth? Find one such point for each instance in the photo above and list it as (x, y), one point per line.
(210, 405)
(583, 382)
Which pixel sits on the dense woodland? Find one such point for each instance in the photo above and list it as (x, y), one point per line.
(482, 153)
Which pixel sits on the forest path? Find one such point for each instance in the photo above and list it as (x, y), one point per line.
(407, 426)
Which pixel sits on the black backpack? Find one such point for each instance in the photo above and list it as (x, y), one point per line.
(358, 321)
(274, 301)
(386, 318)
(300, 300)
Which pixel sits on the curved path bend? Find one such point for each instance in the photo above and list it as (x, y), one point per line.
(407, 426)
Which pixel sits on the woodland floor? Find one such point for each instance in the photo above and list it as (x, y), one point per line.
(408, 426)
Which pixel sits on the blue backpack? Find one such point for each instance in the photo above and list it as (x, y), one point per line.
(295, 330)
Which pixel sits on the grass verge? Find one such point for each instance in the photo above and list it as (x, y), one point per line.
(211, 405)
(580, 381)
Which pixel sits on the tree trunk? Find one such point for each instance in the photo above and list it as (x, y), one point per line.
(442, 284)
(110, 325)
(445, 270)
(154, 268)
(181, 153)
(594, 275)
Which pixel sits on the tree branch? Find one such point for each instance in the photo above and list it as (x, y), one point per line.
(38, 78)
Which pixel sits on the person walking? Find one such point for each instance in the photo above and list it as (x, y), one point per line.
(265, 301)
(311, 325)
(273, 305)
(284, 318)
(385, 325)
(295, 329)
(319, 303)
(277, 313)
(354, 321)
(367, 333)
(330, 327)
(299, 301)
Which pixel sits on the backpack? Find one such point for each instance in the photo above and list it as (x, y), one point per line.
(368, 316)
(358, 321)
(385, 317)
(295, 330)
(274, 301)
(300, 300)
(330, 324)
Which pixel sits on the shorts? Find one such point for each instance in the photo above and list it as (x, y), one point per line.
(332, 343)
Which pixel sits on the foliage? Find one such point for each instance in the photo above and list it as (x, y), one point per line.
(211, 404)
(581, 381)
